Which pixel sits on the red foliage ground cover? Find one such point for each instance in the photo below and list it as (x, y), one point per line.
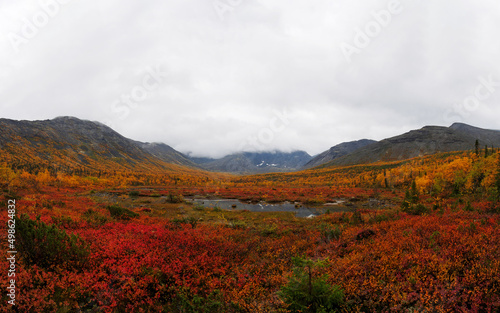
(445, 261)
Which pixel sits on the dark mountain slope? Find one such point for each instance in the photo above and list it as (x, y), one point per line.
(425, 141)
(485, 136)
(68, 143)
(166, 153)
(258, 162)
(282, 160)
(338, 151)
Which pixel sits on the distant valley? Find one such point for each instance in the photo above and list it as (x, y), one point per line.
(256, 162)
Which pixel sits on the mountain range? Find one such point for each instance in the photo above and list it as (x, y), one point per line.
(68, 143)
(425, 141)
(256, 162)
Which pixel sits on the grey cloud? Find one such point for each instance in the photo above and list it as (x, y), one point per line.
(226, 76)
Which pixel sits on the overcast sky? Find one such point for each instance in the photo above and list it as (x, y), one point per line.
(213, 77)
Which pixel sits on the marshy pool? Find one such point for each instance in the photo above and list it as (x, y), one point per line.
(299, 210)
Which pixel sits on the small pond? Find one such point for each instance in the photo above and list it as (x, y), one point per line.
(300, 211)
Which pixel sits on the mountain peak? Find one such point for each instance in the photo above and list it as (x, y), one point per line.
(72, 120)
(66, 118)
(76, 120)
(458, 125)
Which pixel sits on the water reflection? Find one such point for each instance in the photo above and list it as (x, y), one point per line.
(233, 204)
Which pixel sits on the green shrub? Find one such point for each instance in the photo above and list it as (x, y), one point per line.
(434, 241)
(269, 230)
(237, 224)
(383, 217)
(344, 218)
(198, 207)
(175, 198)
(186, 220)
(216, 209)
(328, 233)
(411, 197)
(48, 246)
(64, 222)
(306, 292)
(134, 193)
(187, 302)
(410, 203)
(415, 209)
(94, 218)
(468, 207)
(121, 213)
(356, 218)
